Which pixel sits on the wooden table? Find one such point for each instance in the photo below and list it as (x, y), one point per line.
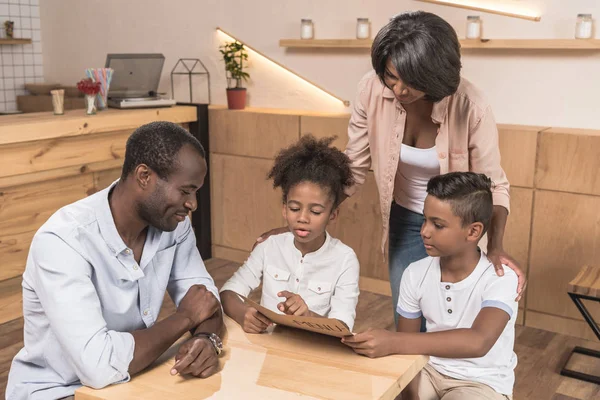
(283, 364)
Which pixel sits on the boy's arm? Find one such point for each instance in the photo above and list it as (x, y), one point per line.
(497, 305)
(473, 342)
(408, 324)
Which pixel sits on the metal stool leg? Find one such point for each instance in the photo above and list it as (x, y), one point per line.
(581, 350)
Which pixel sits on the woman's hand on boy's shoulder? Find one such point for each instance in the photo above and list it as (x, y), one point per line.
(254, 321)
(265, 236)
(372, 343)
(498, 257)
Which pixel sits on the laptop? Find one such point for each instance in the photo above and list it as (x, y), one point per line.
(135, 81)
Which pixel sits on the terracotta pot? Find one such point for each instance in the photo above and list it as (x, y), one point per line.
(236, 98)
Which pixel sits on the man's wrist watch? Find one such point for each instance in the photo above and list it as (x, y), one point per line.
(214, 339)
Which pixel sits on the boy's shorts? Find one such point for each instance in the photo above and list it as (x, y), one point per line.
(435, 386)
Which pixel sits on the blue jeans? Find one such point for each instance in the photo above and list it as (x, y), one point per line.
(405, 247)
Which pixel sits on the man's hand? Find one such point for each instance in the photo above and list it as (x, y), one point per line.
(499, 257)
(293, 305)
(265, 235)
(196, 357)
(371, 343)
(254, 322)
(198, 304)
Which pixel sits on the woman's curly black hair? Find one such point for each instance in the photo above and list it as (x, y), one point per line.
(313, 160)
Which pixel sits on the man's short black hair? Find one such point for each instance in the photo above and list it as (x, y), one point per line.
(469, 194)
(156, 144)
(425, 51)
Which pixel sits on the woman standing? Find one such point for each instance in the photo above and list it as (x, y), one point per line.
(415, 117)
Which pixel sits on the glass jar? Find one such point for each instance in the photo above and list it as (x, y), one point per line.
(363, 28)
(473, 27)
(584, 26)
(306, 29)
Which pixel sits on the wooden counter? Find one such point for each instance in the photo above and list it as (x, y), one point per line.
(49, 161)
(552, 230)
(282, 364)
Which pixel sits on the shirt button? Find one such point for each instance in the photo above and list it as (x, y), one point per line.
(447, 287)
(276, 275)
(135, 267)
(442, 155)
(448, 299)
(301, 260)
(145, 312)
(297, 280)
(449, 311)
(127, 251)
(319, 289)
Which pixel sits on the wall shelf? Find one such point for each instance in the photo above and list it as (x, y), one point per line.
(15, 41)
(475, 44)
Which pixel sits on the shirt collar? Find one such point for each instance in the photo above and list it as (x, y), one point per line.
(319, 252)
(479, 269)
(106, 222)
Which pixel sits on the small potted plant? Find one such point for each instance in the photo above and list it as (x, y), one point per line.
(234, 56)
(90, 89)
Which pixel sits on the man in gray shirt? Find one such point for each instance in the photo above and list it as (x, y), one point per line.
(98, 269)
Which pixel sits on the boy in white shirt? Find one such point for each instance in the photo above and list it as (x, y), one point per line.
(304, 271)
(469, 309)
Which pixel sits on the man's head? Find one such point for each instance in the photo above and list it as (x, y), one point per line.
(458, 211)
(164, 167)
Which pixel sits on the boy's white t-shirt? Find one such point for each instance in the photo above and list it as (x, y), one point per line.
(327, 279)
(448, 306)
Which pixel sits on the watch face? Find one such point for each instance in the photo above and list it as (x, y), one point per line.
(217, 340)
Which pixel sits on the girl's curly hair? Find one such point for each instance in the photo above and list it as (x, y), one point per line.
(313, 160)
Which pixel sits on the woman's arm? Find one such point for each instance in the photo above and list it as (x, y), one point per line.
(484, 157)
(358, 149)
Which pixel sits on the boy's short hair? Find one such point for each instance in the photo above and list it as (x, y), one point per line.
(469, 194)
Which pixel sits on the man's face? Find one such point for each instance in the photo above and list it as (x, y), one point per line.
(169, 201)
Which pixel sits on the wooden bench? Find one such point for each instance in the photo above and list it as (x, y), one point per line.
(585, 286)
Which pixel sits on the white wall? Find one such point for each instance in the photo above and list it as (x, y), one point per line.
(524, 87)
(20, 64)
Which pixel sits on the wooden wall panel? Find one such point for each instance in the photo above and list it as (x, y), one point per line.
(565, 236)
(359, 226)
(251, 134)
(562, 325)
(13, 253)
(225, 253)
(244, 204)
(518, 148)
(102, 179)
(569, 162)
(42, 176)
(24, 208)
(11, 300)
(325, 127)
(23, 200)
(518, 228)
(43, 155)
